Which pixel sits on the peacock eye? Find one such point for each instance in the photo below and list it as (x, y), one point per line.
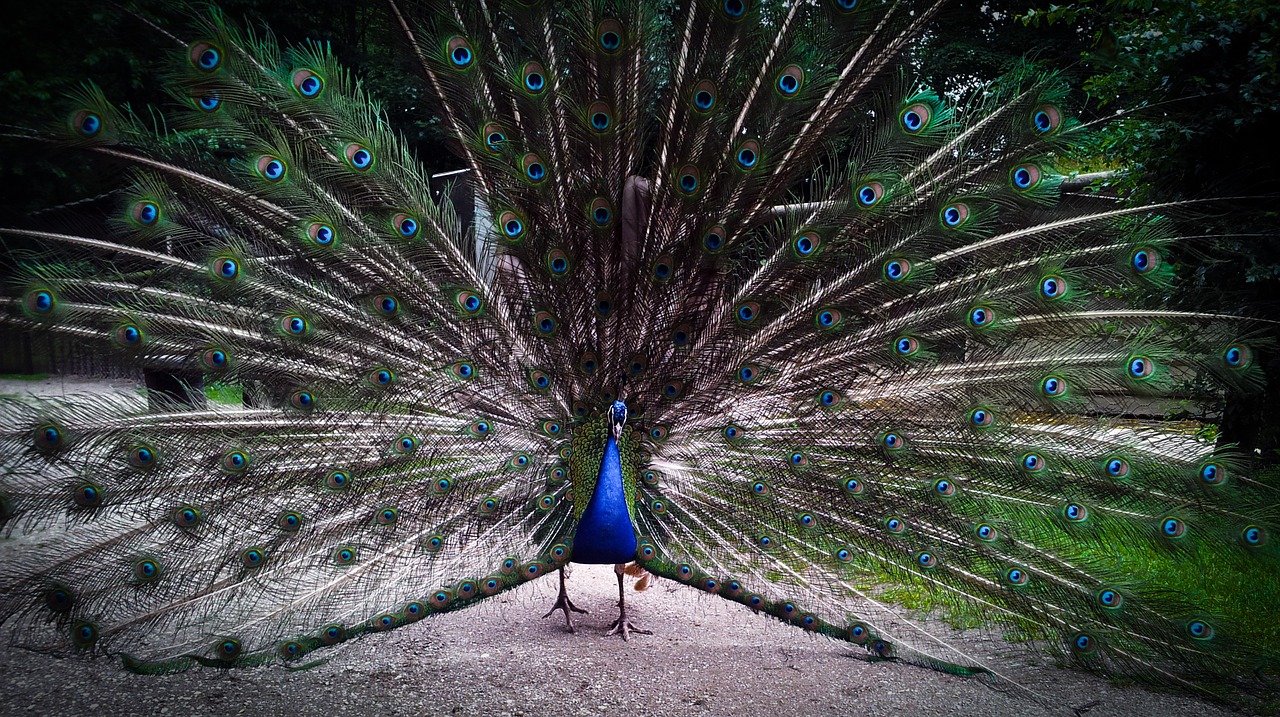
(704, 97)
(981, 317)
(896, 270)
(1141, 367)
(870, 194)
(145, 212)
(790, 80)
(806, 244)
(205, 56)
(1053, 287)
(1144, 260)
(359, 157)
(1045, 119)
(1025, 177)
(915, 118)
(270, 168)
(460, 54)
(735, 8)
(688, 179)
(405, 225)
(307, 83)
(86, 123)
(322, 234)
(609, 34)
(953, 215)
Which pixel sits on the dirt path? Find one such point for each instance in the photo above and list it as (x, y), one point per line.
(706, 657)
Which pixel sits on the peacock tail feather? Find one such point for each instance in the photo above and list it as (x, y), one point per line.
(879, 354)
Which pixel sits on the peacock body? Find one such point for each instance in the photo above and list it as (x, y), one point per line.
(740, 304)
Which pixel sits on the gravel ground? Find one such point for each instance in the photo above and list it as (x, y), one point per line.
(706, 657)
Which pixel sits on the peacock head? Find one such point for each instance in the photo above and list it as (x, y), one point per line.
(618, 417)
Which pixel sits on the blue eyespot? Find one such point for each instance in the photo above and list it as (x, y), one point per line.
(513, 227)
(747, 374)
(610, 40)
(601, 215)
(892, 441)
(534, 81)
(321, 234)
(1173, 528)
(361, 158)
(747, 312)
(1110, 599)
(1140, 367)
(295, 325)
(1117, 467)
(1016, 576)
(788, 84)
(895, 525)
(1200, 630)
(896, 270)
(535, 171)
(980, 316)
(798, 459)
(735, 8)
(1075, 512)
(1253, 536)
(981, 417)
(1141, 261)
(944, 487)
(805, 244)
(985, 532)
(1025, 177)
(1213, 474)
(495, 140)
(1083, 643)
(1052, 386)
(828, 398)
(461, 56)
(1237, 356)
(688, 182)
(953, 215)
(912, 121)
(1053, 287)
(89, 124)
(307, 83)
(407, 444)
(227, 268)
(1033, 462)
(732, 432)
(207, 58)
(406, 225)
(746, 157)
(870, 194)
(272, 169)
(600, 121)
(41, 301)
(704, 99)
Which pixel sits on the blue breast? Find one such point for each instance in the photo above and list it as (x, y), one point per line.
(604, 534)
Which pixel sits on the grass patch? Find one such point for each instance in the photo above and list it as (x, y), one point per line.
(24, 376)
(224, 393)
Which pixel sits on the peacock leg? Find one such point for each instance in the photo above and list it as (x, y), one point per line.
(622, 625)
(564, 603)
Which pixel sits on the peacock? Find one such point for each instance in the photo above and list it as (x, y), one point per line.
(732, 302)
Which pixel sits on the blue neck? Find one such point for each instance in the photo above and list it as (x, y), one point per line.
(605, 534)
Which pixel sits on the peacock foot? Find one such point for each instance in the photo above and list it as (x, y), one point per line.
(564, 603)
(622, 626)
